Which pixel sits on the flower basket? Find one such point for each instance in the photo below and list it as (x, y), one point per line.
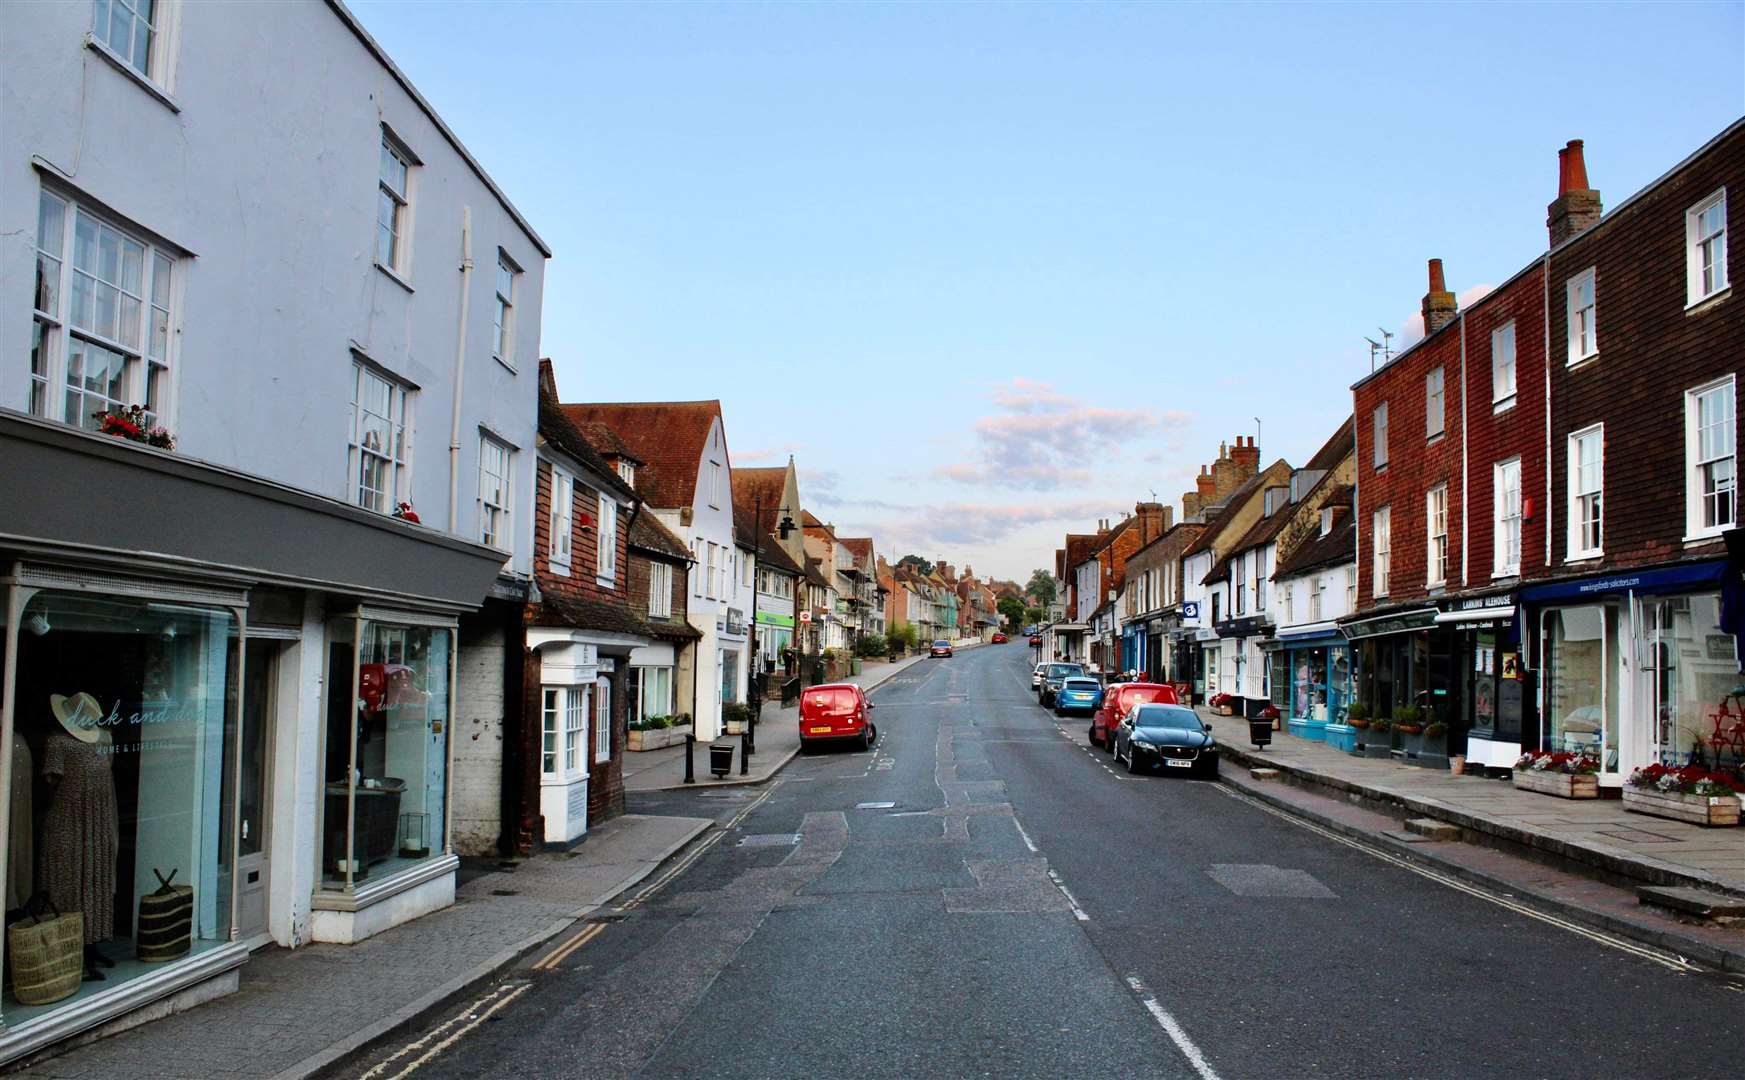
(1358, 722)
(1409, 729)
(1710, 810)
(1562, 785)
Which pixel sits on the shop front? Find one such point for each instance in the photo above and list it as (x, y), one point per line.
(1496, 688)
(1634, 666)
(1242, 645)
(1406, 670)
(774, 631)
(1311, 680)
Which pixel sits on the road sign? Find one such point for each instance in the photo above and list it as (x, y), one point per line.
(805, 616)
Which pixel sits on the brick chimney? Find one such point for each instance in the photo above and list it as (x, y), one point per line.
(1246, 455)
(1154, 519)
(1205, 485)
(1440, 306)
(1577, 206)
(1190, 504)
(1224, 478)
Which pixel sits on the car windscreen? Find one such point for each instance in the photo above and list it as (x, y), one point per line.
(1175, 717)
(1090, 685)
(940, 642)
(1061, 671)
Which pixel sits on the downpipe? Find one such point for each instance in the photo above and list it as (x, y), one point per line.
(460, 367)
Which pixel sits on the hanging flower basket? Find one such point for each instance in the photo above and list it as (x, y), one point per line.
(1689, 794)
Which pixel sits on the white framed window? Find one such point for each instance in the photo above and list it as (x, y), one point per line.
(715, 484)
(660, 590)
(563, 502)
(1586, 466)
(602, 720)
(100, 339)
(503, 333)
(1506, 517)
(651, 691)
(1503, 365)
(551, 747)
(379, 473)
(606, 541)
(1711, 478)
(1350, 589)
(1381, 435)
(1433, 403)
(1584, 339)
(131, 29)
(697, 571)
(1705, 243)
(713, 572)
(1290, 596)
(575, 728)
(1382, 539)
(1317, 598)
(393, 198)
(627, 472)
(494, 459)
(1436, 528)
(1326, 520)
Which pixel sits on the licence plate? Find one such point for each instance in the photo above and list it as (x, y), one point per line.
(1177, 763)
(819, 730)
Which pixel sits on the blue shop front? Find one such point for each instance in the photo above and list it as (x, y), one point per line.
(1311, 681)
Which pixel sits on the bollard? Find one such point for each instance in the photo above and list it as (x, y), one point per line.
(745, 750)
(690, 766)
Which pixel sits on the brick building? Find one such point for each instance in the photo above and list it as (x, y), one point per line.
(1153, 597)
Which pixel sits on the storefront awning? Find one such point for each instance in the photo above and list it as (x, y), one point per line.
(1476, 616)
(1665, 579)
(1399, 622)
(1309, 632)
(1071, 628)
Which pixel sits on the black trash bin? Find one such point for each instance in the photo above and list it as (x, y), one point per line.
(1259, 731)
(720, 758)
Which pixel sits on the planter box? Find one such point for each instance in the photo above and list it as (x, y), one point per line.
(1562, 785)
(658, 738)
(1700, 809)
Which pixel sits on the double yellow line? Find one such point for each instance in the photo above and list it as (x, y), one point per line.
(562, 952)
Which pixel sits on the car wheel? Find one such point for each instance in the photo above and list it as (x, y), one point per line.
(1093, 736)
(869, 737)
(1132, 760)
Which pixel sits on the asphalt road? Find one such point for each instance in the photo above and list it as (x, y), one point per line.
(983, 896)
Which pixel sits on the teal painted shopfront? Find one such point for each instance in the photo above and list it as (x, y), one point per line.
(1311, 683)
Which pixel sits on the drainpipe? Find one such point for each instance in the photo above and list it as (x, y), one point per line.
(460, 367)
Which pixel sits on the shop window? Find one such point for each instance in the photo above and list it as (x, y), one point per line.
(119, 749)
(1338, 683)
(1309, 684)
(1581, 681)
(1280, 664)
(1690, 668)
(384, 805)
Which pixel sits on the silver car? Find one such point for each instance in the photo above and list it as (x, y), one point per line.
(1036, 676)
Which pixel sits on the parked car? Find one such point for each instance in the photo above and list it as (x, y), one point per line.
(1120, 700)
(1078, 695)
(836, 713)
(1036, 677)
(1035, 640)
(1173, 735)
(998, 639)
(1052, 678)
(939, 648)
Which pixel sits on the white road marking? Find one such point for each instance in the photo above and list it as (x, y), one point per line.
(874, 805)
(1665, 959)
(1172, 1029)
(1077, 912)
(1029, 843)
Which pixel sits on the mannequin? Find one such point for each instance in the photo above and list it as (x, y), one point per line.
(81, 830)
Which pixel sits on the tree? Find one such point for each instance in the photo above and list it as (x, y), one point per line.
(1034, 615)
(1012, 609)
(922, 566)
(902, 635)
(1041, 588)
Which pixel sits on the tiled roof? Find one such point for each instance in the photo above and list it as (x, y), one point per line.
(1338, 546)
(1078, 549)
(769, 552)
(814, 575)
(1231, 505)
(755, 487)
(647, 533)
(557, 431)
(608, 443)
(669, 437)
(1336, 449)
(557, 610)
(860, 546)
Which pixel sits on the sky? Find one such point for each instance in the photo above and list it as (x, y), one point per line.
(991, 272)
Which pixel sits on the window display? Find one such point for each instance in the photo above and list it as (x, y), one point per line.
(1690, 668)
(385, 804)
(1339, 683)
(118, 750)
(1581, 686)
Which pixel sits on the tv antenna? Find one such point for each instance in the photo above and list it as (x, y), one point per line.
(1384, 348)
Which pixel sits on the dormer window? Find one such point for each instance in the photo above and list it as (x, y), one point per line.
(1326, 520)
(627, 472)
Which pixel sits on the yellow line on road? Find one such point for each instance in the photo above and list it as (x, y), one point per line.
(562, 952)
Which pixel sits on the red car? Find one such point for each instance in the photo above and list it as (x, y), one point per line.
(1121, 699)
(940, 648)
(999, 639)
(836, 712)
(1035, 640)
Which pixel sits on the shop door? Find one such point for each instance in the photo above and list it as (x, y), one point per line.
(253, 787)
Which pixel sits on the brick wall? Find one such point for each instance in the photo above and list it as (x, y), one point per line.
(582, 580)
(476, 786)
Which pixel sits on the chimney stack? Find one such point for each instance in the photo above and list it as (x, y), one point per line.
(1577, 206)
(1205, 485)
(1190, 504)
(1154, 518)
(1224, 477)
(1246, 455)
(1440, 306)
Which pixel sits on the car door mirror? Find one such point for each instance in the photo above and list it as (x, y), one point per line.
(870, 706)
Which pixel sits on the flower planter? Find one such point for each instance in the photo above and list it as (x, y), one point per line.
(658, 738)
(1562, 785)
(1700, 809)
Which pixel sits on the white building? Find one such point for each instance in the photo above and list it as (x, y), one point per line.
(328, 333)
(1314, 587)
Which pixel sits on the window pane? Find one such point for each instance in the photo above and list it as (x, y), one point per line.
(160, 281)
(132, 266)
(85, 243)
(51, 223)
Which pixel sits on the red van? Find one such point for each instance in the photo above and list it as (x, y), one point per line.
(836, 712)
(1121, 699)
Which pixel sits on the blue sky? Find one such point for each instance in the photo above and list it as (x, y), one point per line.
(990, 272)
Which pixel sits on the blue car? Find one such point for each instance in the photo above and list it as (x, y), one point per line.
(1078, 695)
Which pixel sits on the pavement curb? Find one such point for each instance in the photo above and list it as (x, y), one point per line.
(1643, 869)
(1703, 952)
(467, 981)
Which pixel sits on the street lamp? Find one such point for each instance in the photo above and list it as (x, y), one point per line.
(748, 741)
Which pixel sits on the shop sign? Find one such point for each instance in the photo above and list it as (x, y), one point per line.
(1205, 633)
(1190, 611)
(1395, 624)
(771, 618)
(1248, 626)
(1663, 580)
(1480, 603)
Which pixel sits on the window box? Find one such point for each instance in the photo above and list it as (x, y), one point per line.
(659, 738)
(1707, 810)
(1562, 785)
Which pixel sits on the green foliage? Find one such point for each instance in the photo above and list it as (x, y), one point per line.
(1012, 610)
(1041, 588)
(735, 712)
(1380, 723)
(872, 645)
(902, 635)
(922, 566)
(1357, 711)
(656, 723)
(1405, 714)
(1034, 616)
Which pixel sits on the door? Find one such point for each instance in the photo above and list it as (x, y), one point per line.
(253, 788)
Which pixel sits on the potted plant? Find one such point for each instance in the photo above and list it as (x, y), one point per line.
(733, 717)
(130, 423)
(1433, 749)
(1562, 773)
(1357, 715)
(1270, 713)
(1408, 720)
(1691, 793)
(1378, 742)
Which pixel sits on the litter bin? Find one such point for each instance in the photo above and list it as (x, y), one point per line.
(720, 758)
(1259, 730)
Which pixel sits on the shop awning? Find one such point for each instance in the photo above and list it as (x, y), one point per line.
(1399, 622)
(1071, 628)
(1309, 632)
(1680, 577)
(1476, 616)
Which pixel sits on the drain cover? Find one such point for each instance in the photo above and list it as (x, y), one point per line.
(780, 839)
(505, 892)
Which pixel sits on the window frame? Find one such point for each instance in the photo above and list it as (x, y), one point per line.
(660, 589)
(606, 540)
(1572, 288)
(1500, 518)
(399, 461)
(496, 520)
(552, 702)
(1695, 497)
(575, 727)
(1693, 242)
(1381, 548)
(161, 25)
(1379, 430)
(1435, 403)
(1436, 536)
(602, 721)
(1501, 401)
(714, 485)
(1577, 510)
(627, 472)
(503, 325)
(560, 544)
(399, 260)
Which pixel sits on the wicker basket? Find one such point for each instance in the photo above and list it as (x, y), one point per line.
(47, 955)
(166, 921)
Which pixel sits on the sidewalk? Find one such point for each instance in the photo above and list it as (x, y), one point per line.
(778, 740)
(299, 1010)
(1596, 833)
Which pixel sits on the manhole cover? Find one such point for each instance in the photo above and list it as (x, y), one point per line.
(780, 839)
